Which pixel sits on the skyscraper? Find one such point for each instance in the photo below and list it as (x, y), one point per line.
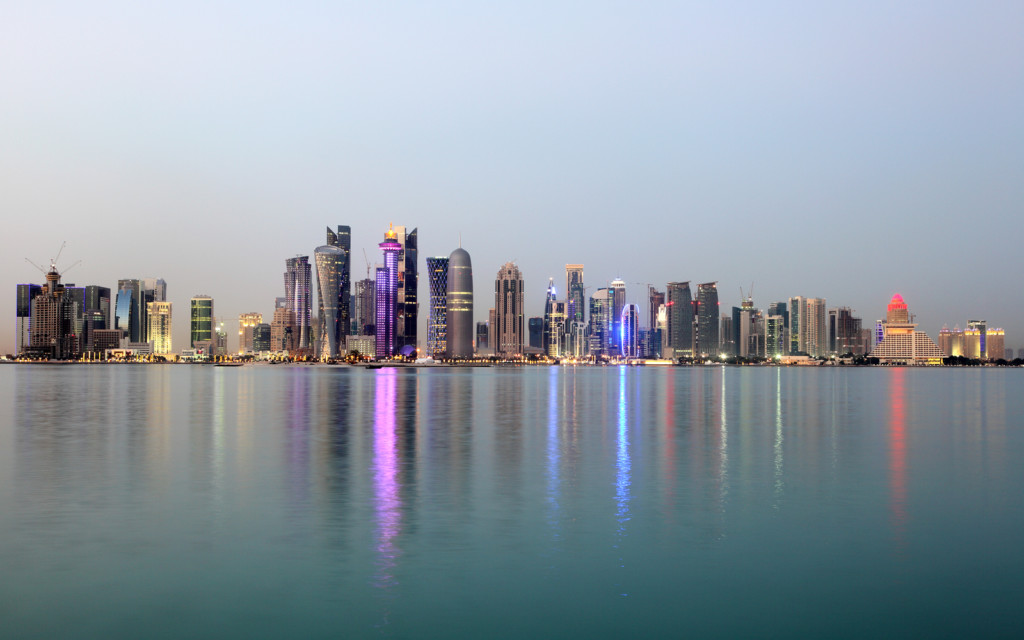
(707, 320)
(331, 300)
(201, 328)
(298, 293)
(536, 329)
(630, 331)
(508, 311)
(679, 304)
(815, 327)
(797, 311)
(407, 279)
(599, 322)
(386, 294)
(437, 323)
(343, 240)
(52, 332)
(575, 292)
(576, 311)
(459, 300)
(617, 299)
(774, 332)
(159, 327)
(247, 323)
(23, 313)
(365, 307)
(553, 336)
(129, 310)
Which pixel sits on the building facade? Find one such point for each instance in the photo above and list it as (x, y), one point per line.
(509, 311)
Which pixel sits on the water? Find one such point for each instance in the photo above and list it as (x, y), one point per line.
(176, 501)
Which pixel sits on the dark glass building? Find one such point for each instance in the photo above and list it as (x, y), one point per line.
(298, 293)
(680, 318)
(536, 328)
(706, 339)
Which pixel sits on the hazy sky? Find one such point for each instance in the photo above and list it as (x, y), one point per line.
(845, 150)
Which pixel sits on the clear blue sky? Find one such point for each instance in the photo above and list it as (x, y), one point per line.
(845, 150)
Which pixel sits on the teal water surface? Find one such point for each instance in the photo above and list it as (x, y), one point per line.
(279, 501)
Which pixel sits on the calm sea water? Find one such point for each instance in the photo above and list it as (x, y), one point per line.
(176, 501)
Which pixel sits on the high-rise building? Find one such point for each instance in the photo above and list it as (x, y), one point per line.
(655, 300)
(282, 330)
(706, 338)
(536, 330)
(261, 338)
(247, 323)
(843, 331)
(901, 343)
(508, 311)
(158, 286)
(23, 314)
(202, 320)
(482, 331)
(576, 311)
(981, 327)
(995, 340)
(629, 338)
(437, 322)
(815, 327)
(331, 299)
(951, 342)
(98, 299)
(459, 301)
(600, 305)
(343, 240)
(774, 334)
(298, 293)
(365, 307)
(679, 306)
(553, 336)
(407, 279)
(727, 332)
(52, 325)
(617, 294)
(159, 324)
(129, 309)
(797, 309)
(386, 295)
(575, 293)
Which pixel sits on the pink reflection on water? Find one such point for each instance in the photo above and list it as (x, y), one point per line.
(898, 453)
(387, 501)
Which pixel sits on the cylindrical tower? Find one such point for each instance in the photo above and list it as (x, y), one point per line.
(459, 313)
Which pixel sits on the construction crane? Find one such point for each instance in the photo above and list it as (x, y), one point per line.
(367, 263)
(53, 262)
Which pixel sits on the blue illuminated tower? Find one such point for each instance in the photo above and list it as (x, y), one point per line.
(387, 295)
(629, 327)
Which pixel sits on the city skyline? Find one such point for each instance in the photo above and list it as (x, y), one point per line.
(847, 152)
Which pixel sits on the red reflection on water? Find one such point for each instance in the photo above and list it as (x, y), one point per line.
(898, 451)
(387, 501)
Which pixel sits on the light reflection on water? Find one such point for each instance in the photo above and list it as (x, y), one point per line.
(510, 502)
